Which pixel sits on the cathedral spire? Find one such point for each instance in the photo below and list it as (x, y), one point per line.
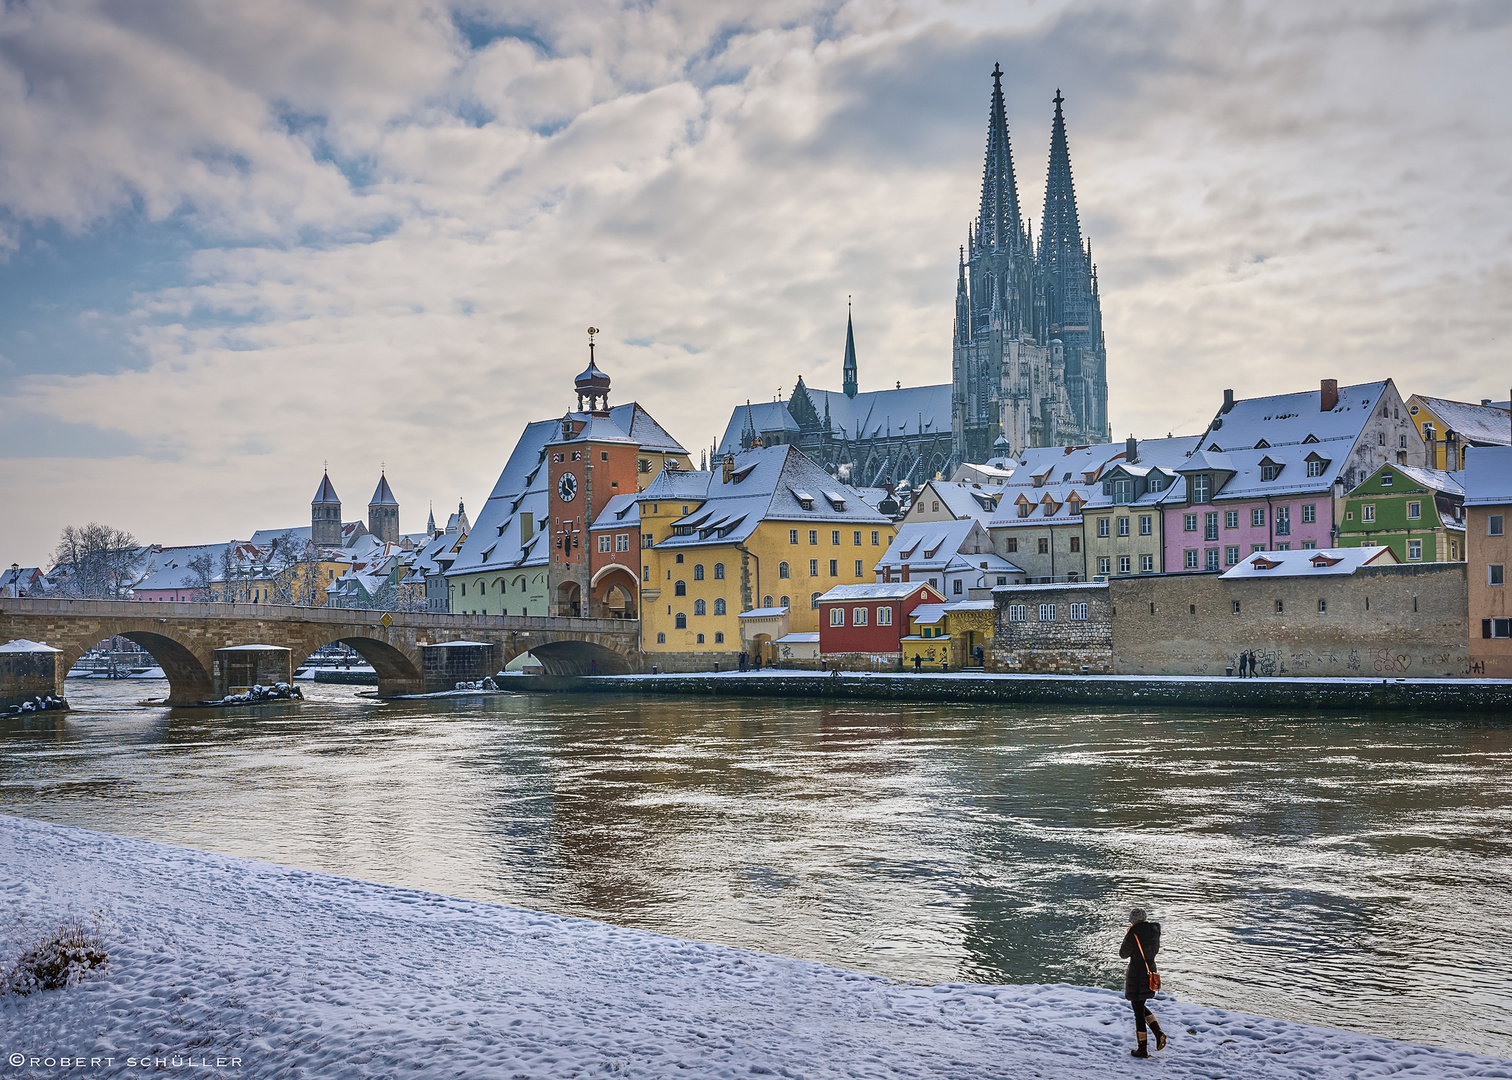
(999, 226)
(1062, 258)
(850, 355)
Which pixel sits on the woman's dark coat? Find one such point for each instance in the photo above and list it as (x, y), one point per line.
(1137, 980)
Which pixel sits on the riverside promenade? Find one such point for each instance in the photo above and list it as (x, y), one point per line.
(1492, 696)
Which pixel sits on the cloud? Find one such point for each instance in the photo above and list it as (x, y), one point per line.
(402, 217)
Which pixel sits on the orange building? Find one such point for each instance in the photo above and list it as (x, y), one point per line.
(1488, 554)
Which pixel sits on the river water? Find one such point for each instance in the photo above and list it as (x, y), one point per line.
(1348, 871)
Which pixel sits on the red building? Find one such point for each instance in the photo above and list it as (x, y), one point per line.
(870, 619)
(614, 557)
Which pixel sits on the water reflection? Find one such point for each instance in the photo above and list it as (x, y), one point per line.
(1350, 871)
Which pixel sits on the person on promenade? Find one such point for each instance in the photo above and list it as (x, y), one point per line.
(1140, 944)
(1243, 664)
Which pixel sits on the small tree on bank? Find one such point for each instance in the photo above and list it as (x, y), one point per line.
(102, 563)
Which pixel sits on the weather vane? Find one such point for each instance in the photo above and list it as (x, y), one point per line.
(591, 331)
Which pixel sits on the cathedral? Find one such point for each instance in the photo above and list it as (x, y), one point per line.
(1028, 366)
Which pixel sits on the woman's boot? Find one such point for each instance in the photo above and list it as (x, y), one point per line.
(1160, 1037)
(1142, 1050)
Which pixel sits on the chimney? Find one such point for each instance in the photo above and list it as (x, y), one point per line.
(1485, 401)
(1131, 450)
(905, 573)
(1228, 400)
(1328, 395)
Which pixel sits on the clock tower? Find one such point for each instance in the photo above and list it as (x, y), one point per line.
(591, 460)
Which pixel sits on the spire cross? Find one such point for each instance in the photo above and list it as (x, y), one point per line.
(997, 73)
(1058, 98)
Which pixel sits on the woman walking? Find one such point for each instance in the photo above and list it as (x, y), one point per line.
(1140, 945)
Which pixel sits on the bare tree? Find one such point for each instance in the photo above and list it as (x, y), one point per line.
(203, 581)
(102, 563)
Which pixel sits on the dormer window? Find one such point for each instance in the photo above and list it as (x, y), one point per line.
(835, 499)
(1262, 445)
(805, 500)
(1316, 465)
(1202, 486)
(1386, 479)
(1269, 469)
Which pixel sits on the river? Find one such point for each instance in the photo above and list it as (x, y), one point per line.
(1347, 871)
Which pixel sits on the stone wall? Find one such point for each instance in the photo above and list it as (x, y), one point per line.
(1057, 644)
(855, 661)
(1380, 622)
(34, 673)
(692, 661)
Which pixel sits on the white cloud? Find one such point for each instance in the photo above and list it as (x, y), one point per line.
(1274, 195)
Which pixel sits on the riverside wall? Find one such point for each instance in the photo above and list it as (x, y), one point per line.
(1491, 697)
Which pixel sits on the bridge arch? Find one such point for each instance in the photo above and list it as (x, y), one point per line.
(188, 680)
(580, 658)
(397, 673)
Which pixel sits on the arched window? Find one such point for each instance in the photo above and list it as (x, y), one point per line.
(719, 637)
(681, 622)
(661, 639)
(783, 570)
(700, 639)
(814, 601)
(782, 602)
(698, 608)
(680, 588)
(766, 601)
(698, 572)
(719, 606)
(719, 571)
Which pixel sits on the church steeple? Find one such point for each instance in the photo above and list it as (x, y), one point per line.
(1062, 259)
(999, 226)
(850, 356)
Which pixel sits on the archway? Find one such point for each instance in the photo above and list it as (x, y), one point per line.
(396, 672)
(569, 599)
(579, 658)
(188, 681)
(614, 590)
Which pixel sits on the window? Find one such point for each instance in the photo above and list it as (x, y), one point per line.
(1044, 545)
(681, 622)
(1367, 513)
(784, 602)
(603, 455)
(1188, 522)
(1012, 544)
(1231, 555)
(1283, 521)
(837, 616)
(784, 570)
(1269, 472)
(834, 568)
(1145, 525)
(719, 637)
(1414, 550)
(680, 588)
(792, 536)
(622, 542)
(1381, 438)
(1076, 612)
(1104, 564)
(1123, 526)
(835, 537)
(698, 574)
(661, 639)
(1315, 467)
(813, 568)
(1278, 607)
(1494, 575)
(1231, 519)
(1018, 612)
(1494, 525)
(1256, 547)
(719, 571)
(700, 639)
(814, 601)
(646, 573)
(956, 587)
(647, 540)
(1414, 510)
(860, 568)
(884, 616)
(856, 538)
(876, 538)
(1309, 514)
(858, 616)
(1147, 564)
(1212, 558)
(679, 557)
(699, 608)
(1309, 545)
(1123, 564)
(719, 606)
(1190, 562)
(1210, 526)
(1257, 517)
(604, 542)
(1047, 613)
(1102, 527)
(1076, 543)
(1236, 607)
(1201, 485)
(1387, 479)
(1496, 628)
(813, 536)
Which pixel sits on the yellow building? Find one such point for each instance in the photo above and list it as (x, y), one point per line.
(769, 529)
(1449, 428)
(956, 634)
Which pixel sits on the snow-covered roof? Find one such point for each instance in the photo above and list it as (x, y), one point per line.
(1488, 476)
(764, 613)
(1051, 504)
(173, 571)
(970, 605)
(927, 613)
(763, 486)
(808, 637)
(1310, 563)
(880, 590)
(1481, 425)
(1428, 479)
(674, 484)
(22, 645)
(300, 535)
(962, 499)
(325, 493)
(620, 512)
(901, 411)
(931, 545)
(383, 495)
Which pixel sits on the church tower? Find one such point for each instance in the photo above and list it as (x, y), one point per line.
(849, 385)
(325, 515)
(383, 512)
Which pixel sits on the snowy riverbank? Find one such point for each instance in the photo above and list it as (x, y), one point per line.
(301, 974)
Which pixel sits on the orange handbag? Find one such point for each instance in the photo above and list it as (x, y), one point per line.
(1154, 975)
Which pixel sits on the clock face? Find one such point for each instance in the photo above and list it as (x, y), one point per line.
(567, 487)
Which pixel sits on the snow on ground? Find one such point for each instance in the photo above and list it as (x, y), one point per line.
(296, 974)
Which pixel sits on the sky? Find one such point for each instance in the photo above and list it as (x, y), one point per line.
(239, 241)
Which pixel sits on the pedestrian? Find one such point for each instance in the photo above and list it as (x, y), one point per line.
(1243, 664)
(1247, 664)
(756, 659)
(745, 661)
(1252, 663)
(1140, 944)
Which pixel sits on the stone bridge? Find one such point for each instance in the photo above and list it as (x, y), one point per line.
(408, 653)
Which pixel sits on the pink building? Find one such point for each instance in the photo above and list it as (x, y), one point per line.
(1265, 473)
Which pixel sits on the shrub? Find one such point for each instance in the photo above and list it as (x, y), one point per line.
(55, 958)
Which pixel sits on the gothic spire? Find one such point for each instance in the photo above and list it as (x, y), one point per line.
(1062, 258)
(999, 226)
(850, 356)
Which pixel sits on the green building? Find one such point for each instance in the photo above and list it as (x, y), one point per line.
(1418, 513)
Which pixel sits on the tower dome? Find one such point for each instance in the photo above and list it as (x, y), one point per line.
(592, 384)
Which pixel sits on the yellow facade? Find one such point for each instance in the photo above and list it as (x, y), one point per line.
(950, 638)
(744, 576)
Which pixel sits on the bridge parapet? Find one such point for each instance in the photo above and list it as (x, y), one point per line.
(184, 636)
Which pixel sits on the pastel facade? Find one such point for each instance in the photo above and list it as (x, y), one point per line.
(1488, 542)
(870, 621)
(1418, 513)
(952, 556)
(1125, 520)
(1448, 429)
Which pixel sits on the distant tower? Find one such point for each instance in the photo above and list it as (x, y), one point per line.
(430, 525)
(325, 514)
(383, 512)
(850, 355)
